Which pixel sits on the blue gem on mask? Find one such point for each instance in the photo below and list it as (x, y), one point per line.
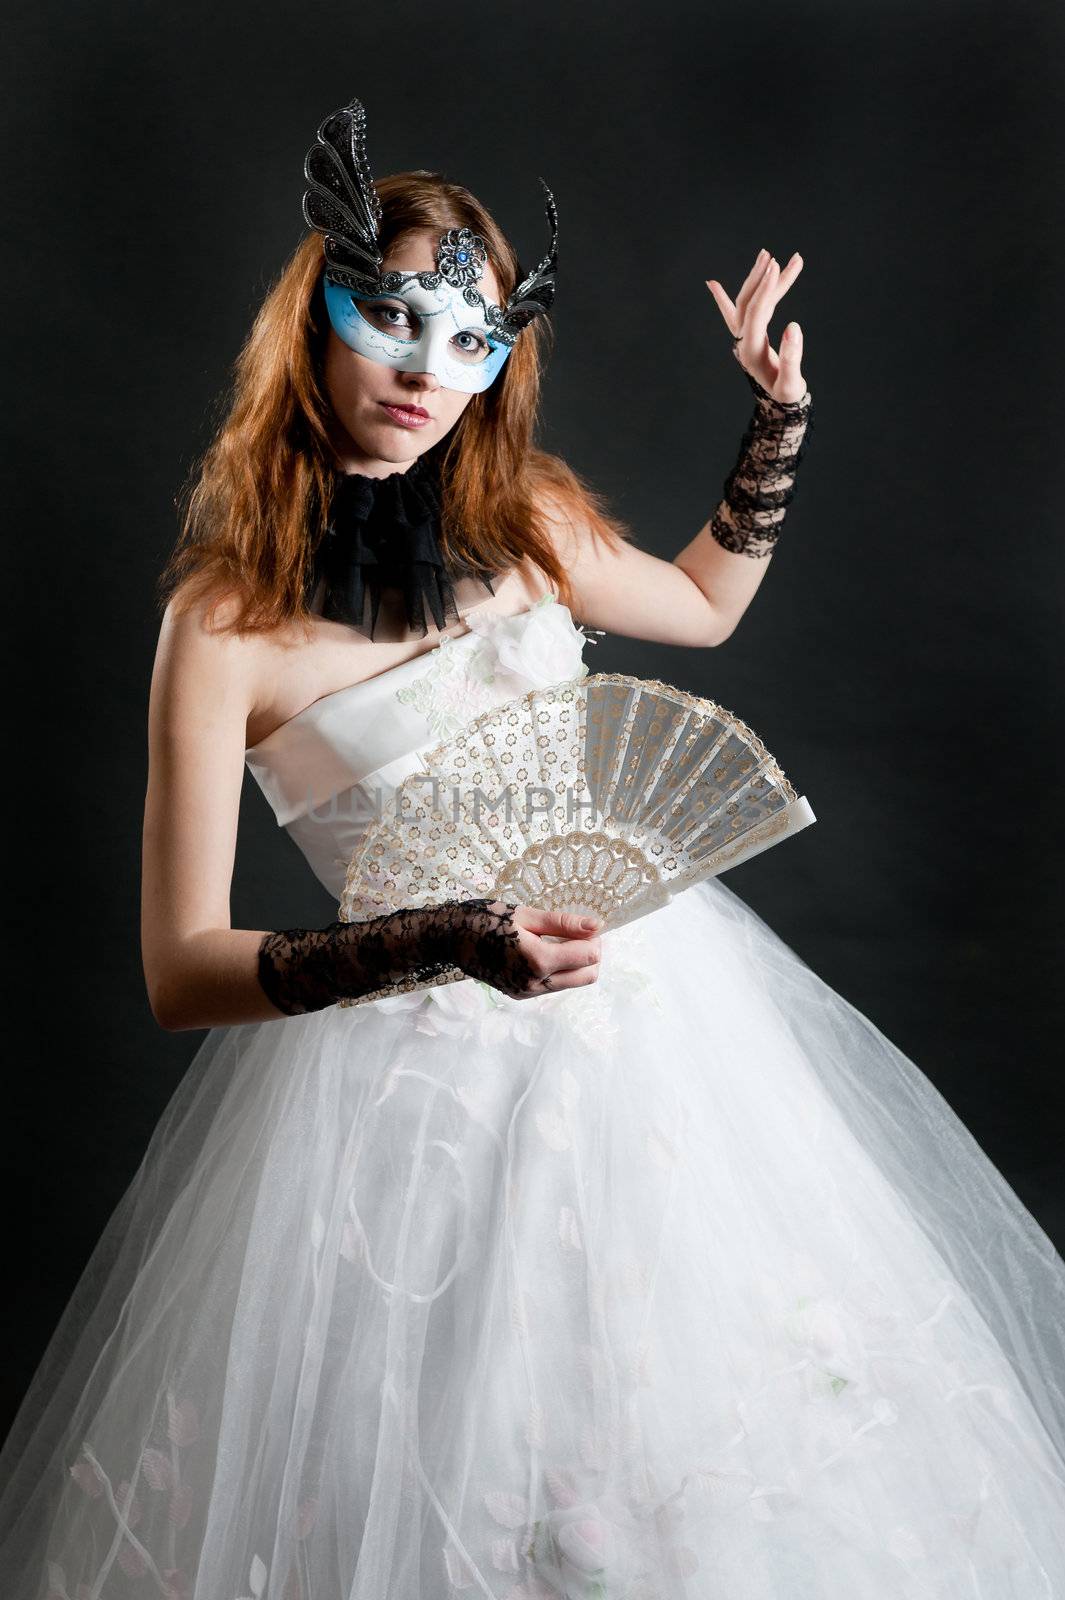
(461, 257)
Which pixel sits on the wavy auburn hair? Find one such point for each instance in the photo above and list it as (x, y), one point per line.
(256, 504)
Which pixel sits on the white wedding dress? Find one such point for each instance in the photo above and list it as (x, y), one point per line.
(687, 1285)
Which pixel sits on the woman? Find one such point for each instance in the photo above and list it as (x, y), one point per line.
(679, 1280)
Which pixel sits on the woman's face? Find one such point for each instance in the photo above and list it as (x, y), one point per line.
(368, 437)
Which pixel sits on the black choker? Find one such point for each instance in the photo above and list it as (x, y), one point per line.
(384, 533)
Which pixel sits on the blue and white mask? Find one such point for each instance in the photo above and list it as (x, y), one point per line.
(436, 322)
(425, 321)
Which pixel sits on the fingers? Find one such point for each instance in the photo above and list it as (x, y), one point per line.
(563, 924)
(577, 978)
(570, 964)
(790, 273)
(559, 951)
(752, 282)
(764, 286)
(497, 945)
(777, 282)
(756, 322)
(732, 314)
(790, 385)
(566, 955)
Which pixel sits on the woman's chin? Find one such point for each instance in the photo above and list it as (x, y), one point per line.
(386, 443)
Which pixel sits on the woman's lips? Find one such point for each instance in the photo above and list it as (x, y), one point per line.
(407, 416)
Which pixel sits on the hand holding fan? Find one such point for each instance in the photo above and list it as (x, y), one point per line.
(607, 794)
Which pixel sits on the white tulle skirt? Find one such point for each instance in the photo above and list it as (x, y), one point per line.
(683, 1286)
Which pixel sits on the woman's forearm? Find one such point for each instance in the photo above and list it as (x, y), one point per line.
(223, 976)
(729, 581)
(730, 554)
(210, 979)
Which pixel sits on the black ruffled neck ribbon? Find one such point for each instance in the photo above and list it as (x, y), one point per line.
(384, 533)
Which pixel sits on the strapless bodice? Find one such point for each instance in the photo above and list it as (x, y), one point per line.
(328, 771)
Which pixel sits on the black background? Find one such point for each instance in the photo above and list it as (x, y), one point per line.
(902, 658)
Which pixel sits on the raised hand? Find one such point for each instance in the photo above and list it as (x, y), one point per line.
(748, 322)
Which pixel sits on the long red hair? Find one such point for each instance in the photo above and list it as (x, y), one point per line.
(256, 504)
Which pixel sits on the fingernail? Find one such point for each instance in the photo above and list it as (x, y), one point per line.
(589, 922)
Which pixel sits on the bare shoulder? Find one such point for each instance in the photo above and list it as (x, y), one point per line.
(531, 583)
(593, 557)
(574, 516)
(568, 531)
(204, 668)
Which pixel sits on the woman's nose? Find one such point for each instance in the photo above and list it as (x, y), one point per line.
(421, 380)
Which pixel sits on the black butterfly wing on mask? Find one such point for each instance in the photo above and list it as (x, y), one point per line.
(535, 294)
(341, 201)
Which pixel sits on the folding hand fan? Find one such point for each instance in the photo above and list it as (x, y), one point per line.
(608, 794)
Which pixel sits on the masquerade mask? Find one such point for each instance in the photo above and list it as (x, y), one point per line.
(436, 322)
(420, 330)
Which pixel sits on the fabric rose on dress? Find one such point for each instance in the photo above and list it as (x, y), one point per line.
(475, 1009)
(406, 1000)
(542, 645)
(830, 1337)
(586, 1551)
(500, 658)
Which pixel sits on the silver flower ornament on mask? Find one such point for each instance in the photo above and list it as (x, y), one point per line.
(461, 256)
(421, 321)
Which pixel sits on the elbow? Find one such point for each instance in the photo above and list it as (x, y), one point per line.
(166, 1006)
(721, 628)
(163, 1012)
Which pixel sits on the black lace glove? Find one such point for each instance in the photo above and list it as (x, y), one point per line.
(762, 483)
(306, 969)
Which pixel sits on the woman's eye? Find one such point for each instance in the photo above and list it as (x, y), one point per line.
(476, 346)
(395, 319)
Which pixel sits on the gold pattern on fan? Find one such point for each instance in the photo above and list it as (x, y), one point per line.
(578, 871)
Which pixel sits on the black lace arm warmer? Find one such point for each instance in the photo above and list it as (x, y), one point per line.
(761, 485)
(306, 969)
